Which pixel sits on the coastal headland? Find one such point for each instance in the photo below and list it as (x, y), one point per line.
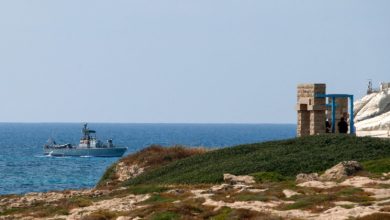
(314, 177)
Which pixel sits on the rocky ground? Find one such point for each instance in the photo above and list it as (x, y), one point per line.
(345, 191)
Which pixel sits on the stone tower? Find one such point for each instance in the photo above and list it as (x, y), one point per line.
(311, 109)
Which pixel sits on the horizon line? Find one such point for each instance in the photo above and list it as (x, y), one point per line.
(216, 123)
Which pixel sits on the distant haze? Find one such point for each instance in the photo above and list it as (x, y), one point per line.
(195, 61)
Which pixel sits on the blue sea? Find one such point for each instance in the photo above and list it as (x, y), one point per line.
(23, 168)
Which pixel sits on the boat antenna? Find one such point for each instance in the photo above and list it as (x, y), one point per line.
(84, 131)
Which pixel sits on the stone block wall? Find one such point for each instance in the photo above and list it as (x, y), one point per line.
(311, 109)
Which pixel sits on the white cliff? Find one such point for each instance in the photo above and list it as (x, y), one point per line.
(372, 114)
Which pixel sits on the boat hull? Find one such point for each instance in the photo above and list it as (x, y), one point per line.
(92, 152)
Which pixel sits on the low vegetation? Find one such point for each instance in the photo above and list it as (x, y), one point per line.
(101, 215)
(287, 158)
(377, 166)
(318, 200)
(150, 158)
(264, 177)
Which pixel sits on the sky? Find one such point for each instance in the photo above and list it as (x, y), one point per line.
(184, 61)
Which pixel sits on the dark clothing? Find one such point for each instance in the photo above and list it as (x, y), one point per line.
(327, 127)
(343, 127)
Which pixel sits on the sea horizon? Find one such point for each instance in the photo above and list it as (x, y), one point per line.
(157, 123)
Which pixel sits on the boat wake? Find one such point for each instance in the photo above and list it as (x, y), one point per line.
(50, 156)
(43, 156)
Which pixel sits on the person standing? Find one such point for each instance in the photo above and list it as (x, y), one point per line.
(343, 126)
(327, 126)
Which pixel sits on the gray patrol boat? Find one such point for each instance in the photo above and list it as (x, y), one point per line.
(89, 146)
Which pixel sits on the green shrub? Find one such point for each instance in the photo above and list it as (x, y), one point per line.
(223, 214)
(157, 198)
(145, 189)
(79, 202)
(101, 215)
(263, 177)
(375, 216)
(149, 158)
(307, 202)
(165, 216)
(10, 211)
(251, 197)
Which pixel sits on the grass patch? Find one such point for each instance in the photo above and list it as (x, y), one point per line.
(273, 191)
(263, 177)
(224, 214)
(348, 206)
(165, 216)
(188, 208)
(101, 215)
(145, 189)
(375, 216)
(349, 191)
(288, 158)
(46, 211)
(10, 211)
(377, 166)
(42, 209)
(251, 197)
(79, 202)
(355, 195)
(310, 202)
(317, 200)
(38, 210)
(158, 198)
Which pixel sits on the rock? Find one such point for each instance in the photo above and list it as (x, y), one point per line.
(232, 179)
(222, 187)
(255, 190)
(125, 171)
(241, 187)
(318, 184)
(289, 193)
(123, 218)
(378, 193)
(303, 177)
(341, 203)
(360, 181)
(176, 191)
(341, 171)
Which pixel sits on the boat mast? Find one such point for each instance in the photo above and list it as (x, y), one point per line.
(85, 132)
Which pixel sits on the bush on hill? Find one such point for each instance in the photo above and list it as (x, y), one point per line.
(149, 158)
(288, 158)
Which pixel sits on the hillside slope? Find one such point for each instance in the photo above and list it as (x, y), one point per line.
(288, 157)
(149, 158)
